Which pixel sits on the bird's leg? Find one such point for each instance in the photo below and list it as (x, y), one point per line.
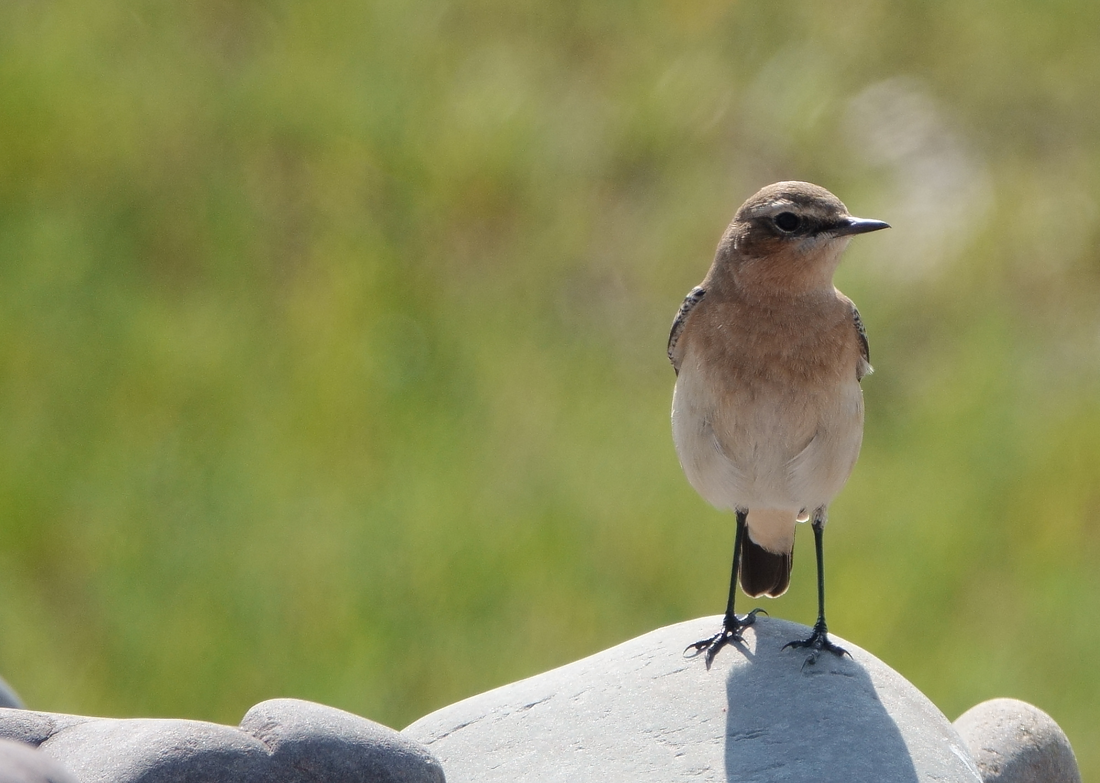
(819, 639)
(732, 625)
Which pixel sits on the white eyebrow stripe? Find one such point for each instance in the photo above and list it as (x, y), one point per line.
(774, 208)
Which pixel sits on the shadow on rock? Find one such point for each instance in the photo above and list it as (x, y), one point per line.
(788, 719)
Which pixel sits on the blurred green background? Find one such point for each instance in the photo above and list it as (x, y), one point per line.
(332, 340)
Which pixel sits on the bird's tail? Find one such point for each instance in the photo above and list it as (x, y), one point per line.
(764, 572)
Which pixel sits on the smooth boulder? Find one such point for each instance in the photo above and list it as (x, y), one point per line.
(279, 741)
(1014, 742)
(642, 711)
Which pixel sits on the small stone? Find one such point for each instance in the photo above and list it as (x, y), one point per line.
(1014, 742)
(21, 763)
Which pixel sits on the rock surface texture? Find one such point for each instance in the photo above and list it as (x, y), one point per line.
(279, 740)
(641, 711)
(1013, 742)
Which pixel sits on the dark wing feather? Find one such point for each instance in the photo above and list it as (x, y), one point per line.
(690, 301)
(864, 367)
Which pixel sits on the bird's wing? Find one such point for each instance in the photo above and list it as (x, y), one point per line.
(864, 367)
(690, 301)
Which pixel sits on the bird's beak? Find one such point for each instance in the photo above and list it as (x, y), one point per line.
(854, 225)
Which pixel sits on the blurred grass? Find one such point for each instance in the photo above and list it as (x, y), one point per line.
(332, 340)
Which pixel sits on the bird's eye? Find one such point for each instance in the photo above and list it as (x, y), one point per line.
(787, 221)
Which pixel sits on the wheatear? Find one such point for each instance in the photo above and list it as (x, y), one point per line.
(767, 414)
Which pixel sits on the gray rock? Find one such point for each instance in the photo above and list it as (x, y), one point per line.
(330, 745)
(149, 751)
(280, 740)
(8, 697)
(1014, 742)
(21, 763)
(641, 711)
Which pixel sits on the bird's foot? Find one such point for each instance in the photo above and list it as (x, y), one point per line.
(732, 627)
(818, 641)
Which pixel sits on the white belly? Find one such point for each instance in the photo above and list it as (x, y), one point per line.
(768, 448)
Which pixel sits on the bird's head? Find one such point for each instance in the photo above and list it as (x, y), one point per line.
(790, 234)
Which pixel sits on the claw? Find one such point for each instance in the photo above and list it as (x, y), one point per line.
(818, 641)
(731, 632)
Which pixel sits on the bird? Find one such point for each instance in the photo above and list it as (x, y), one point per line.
(767, 409)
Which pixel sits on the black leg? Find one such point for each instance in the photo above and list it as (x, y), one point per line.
(731, 624)
(742, 516)
(819, 639)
